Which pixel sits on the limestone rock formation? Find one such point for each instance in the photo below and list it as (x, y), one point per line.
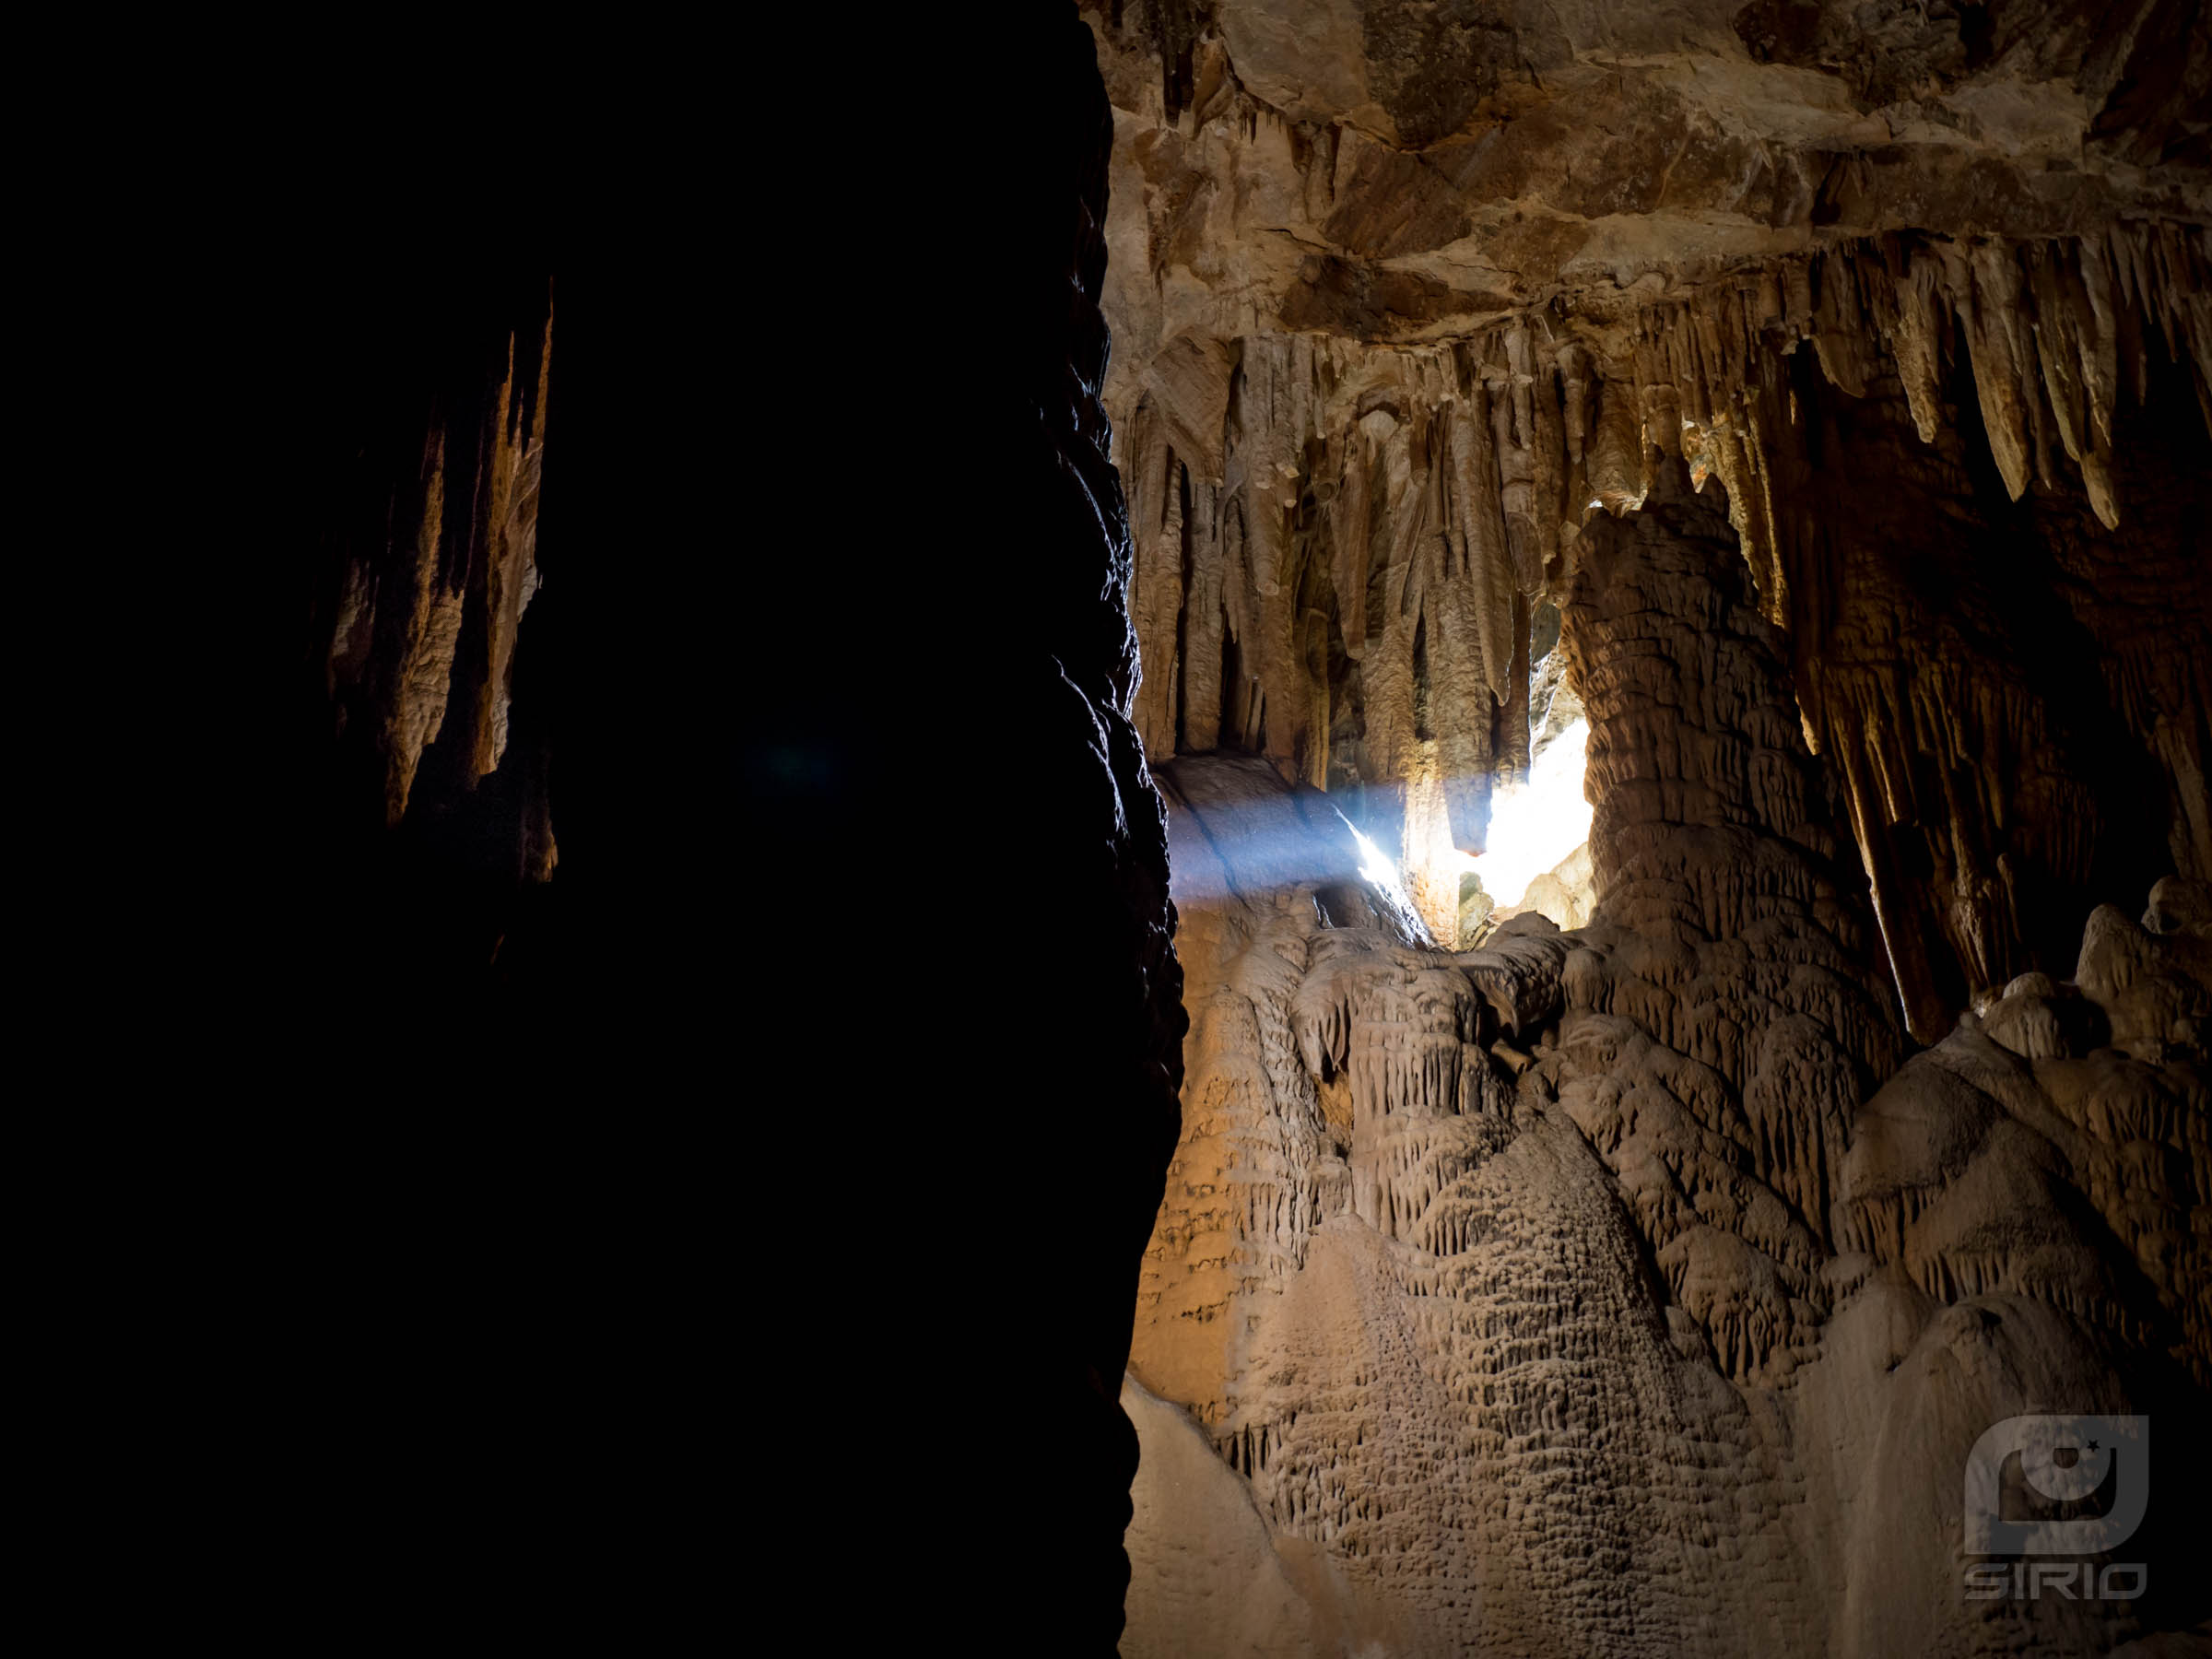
(1401, 294)
(439, 564)
(1813, 399)
(1562, 1296)
(1563, 895)
(1316, 415)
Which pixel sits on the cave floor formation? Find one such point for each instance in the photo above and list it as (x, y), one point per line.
(1617, 1289)
(1302, 444)
(1735, 393)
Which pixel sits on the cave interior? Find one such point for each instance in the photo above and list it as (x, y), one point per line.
(1388, 838)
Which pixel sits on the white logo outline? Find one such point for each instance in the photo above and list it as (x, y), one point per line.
(2095, 1443)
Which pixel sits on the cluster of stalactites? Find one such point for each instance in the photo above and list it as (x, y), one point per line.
(1339, 544)
(1298, 496)
(458, 535)
(2055, 331)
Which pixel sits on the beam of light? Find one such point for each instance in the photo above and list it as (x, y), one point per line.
(1379, 872)
(1376, 866)
(1536, 825)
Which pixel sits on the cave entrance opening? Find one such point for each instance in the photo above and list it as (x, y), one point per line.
(1535, 852)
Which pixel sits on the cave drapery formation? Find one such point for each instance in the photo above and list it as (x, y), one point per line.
(1832, 384)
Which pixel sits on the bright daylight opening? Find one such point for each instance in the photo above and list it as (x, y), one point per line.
(1373, 865)
(1535, 825)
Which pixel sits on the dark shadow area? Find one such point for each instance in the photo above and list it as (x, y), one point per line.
(2031, 682)
(750, 1159)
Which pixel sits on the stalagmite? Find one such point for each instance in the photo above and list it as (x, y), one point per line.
(1630, 1268)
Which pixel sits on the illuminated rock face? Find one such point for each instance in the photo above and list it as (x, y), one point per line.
(1396, 300)
(424, 577)
(1561, 1296)
(1639, 1279)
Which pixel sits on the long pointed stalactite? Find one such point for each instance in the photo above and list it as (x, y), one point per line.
(1819, 400)
(437, 564)
(1341, 546)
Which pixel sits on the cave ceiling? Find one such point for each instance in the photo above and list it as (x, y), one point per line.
(1402, 296)
(1810, 402)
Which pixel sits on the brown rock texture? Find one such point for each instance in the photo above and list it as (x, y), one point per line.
(417, 804)
(1831, 385)
(1561, 1296)
(2011, 693)
(1352, 591)
(439, 564)
(1353, 485)
(1308, 410)
(1730, 955)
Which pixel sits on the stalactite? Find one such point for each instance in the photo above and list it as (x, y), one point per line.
(1373, 494)
(439, 566)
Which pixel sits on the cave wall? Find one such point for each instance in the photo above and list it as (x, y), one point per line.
(1363, 537)
(741, 1057)
(1840, 375)
(1462, 1252)
(416, 799)
(467, 1196)
(1091, 1053)
(1725, 1009)
(1374, 376)
(1359, 445)
(2010, 689)
(1617, 1290)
